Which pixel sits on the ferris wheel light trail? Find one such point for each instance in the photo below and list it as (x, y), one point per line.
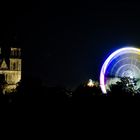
(109, 59)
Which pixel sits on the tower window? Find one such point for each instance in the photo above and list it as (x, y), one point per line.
(14, 66)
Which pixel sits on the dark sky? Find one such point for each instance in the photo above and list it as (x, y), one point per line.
(66, 42)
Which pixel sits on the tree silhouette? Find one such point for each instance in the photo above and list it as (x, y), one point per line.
(125, 87)
(85, 91)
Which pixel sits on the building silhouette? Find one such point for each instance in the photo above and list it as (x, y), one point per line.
(10, 70)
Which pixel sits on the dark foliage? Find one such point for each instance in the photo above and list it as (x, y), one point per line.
(86, 91)
(34, 93)
(126, 87)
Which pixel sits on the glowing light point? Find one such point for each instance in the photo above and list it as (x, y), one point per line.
(90, 83)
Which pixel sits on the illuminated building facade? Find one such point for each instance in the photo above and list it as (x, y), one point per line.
(11, 70)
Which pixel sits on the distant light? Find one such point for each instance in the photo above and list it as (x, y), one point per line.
(90, 83)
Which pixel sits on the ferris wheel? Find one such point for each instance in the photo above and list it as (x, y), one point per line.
(124, 62)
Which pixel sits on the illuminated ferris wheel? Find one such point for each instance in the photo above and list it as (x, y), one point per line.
(124, 62)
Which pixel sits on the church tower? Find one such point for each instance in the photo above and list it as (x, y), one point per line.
(15, 66)
(15, 59)
(11, 69)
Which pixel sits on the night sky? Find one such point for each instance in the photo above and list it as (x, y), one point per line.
(66, 42)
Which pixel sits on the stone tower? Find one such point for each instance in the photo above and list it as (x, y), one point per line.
(15, 65)
(11, 70)
(15, 59)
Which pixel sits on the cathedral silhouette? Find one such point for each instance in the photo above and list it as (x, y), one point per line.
(10, 70)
